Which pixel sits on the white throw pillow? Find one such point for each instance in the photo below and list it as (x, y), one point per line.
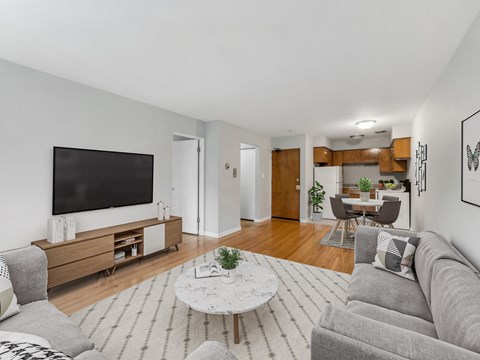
(17, 337)
(395, 254)
(8, 300)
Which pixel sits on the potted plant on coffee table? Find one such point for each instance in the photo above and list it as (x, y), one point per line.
(316, 198)
(364, 185)
(228, 260)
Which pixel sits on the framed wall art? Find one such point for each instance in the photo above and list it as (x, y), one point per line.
(421, 168)
(471, 159)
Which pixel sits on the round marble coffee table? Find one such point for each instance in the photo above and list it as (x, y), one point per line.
(254, 287)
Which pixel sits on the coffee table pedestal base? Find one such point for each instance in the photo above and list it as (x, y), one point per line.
(236, 335)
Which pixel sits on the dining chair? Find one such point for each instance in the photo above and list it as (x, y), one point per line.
(349, 208)
(343, 218)
(384, 198)
(388, 214)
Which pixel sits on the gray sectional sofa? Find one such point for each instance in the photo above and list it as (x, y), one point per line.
(389, 317)
(28, 273)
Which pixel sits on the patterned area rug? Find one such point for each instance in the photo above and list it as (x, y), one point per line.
(148, 322)
(336, 240)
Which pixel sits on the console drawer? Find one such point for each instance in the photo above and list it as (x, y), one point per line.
(75, 251)
(74, 270)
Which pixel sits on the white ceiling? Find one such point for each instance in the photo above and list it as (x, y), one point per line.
(311, 66)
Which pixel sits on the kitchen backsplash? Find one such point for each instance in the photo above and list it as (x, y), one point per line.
(351, 174)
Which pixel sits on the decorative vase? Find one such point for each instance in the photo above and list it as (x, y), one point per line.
(317, 217)
(229, 276)
(365, 196)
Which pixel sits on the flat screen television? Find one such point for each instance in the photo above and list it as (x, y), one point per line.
(95, 179)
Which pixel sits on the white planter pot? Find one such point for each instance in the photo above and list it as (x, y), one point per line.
(229, 276)
(365, 196)
(317, 217)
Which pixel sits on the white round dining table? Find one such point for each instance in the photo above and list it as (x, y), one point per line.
(362, 204)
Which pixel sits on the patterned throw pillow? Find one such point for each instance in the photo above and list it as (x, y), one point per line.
(27, 351)
(8, 300)
(395, 254)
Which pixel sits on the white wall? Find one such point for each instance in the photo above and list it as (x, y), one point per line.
(365, 143)
(38, 111)
(401, 131)
(222, 190)
(322, 141)
(438, 124)
(306, 165)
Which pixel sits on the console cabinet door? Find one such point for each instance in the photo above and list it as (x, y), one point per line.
(153, 239)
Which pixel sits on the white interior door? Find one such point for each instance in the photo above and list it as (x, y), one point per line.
(185, 184)
(247, 183)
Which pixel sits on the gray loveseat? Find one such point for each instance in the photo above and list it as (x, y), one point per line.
(28, 273)
(389, 317)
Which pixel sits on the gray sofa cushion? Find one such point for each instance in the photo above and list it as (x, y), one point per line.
(366, 242)
(211, 350)
(28, 273)
(431, 248)
(456, 304)
(379, 287)
(392, 317)
(43, 319)
(361, 338)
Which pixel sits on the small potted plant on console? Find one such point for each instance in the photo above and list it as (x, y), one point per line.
(364, 185)
(228, 260)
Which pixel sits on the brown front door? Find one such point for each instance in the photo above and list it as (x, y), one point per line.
(285, 179)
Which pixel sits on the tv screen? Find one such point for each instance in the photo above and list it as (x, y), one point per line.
(93, 179)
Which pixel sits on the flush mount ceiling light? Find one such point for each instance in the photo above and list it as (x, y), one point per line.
(356, 137)
(365, 124)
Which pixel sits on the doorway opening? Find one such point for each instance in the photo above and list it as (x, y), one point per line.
(248, 181)
(188, 194)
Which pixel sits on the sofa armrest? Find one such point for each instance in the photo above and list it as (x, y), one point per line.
(365, 245)
(211, 350)
(91, 355)
(28, 272)
(344, 335)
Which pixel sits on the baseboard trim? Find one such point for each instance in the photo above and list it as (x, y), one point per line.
(222, 234)
(262, 219)
(307, 220)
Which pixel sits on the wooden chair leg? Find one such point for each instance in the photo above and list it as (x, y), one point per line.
(391, 226)
(334, 228)
(343, 232)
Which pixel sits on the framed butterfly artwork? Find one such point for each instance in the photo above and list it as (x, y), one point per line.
(471, 159)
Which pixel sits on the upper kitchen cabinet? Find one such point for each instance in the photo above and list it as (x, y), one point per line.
(401, 148)
(387, 164)
(364, 156)
(337, 158)
(322, 155)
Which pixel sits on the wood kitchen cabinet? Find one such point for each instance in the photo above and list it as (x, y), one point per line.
(401, 148)
(388, 164)
(363, 156)
(337, 158)
(322, 155)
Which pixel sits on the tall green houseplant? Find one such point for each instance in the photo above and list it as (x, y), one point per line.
(316, 196)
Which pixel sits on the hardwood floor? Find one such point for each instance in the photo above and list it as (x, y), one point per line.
(283, 239)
